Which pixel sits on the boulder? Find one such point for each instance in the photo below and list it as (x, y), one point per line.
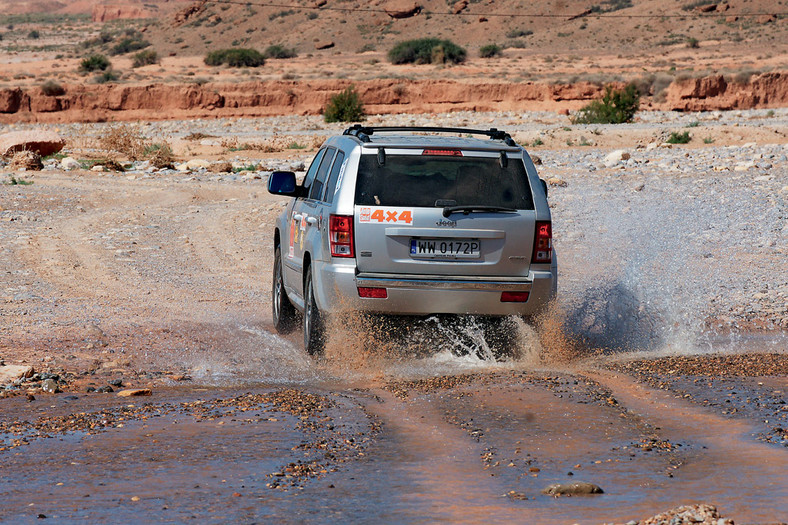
(402, 8)
(324, 44)
(614, 157)
(135, 392)
(10, 373)
(42, 142)
(459, 7)
(221, 167)
(69, 164)
(195, 164)
(572, 489)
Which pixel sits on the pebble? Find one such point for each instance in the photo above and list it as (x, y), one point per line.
(50, 386)
(572, 489)
(135, 392)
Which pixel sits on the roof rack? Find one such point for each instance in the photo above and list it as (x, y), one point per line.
(363, 132)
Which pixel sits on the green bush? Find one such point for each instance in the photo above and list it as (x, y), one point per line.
(615, 107)
(235, 58)
(94, 63)
(344, 107)
(490, 50)
(679, 138)
(34, 34)
(105, 77)
(51, 88)
(427, 51)
(693, 43)
(127, 45)
(277, 51)
(145, 58)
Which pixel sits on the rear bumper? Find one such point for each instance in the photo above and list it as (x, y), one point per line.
(424, 295)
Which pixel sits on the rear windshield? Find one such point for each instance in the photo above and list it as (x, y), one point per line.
(437, 181)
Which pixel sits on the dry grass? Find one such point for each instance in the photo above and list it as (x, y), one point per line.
(124, 140)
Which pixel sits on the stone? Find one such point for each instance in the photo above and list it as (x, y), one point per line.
(555, 181)
(402, 8)
(26, 160)
(324, 44)
(69, 164)
(135, 392)
(196, 164)
(50, 385)
(459, 7)
(42, 142)
(105, 389)
(10, 373)
(115, 382)
(221, 167)
(572, 489)
(614, 157)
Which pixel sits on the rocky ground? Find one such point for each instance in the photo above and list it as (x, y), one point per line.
(673, 293)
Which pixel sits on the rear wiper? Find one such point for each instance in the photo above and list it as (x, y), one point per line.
(448, 210)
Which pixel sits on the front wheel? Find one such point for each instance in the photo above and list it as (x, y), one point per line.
(314, 337)
(283, 312)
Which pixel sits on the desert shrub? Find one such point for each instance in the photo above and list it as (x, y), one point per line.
(426, 51)
(679, 138)
(517, 33)
(127, 45)
(94, 63)
(106, 76)
(124, 139)
(345, 106)
(608, 6)
(615, 107)
(235, 58)
(693, 43)
(145, 58)
(159, 154)
(277, 51)
(490, 50)
(34, 34)
(51, 88)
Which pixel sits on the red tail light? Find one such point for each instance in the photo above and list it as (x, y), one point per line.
(514, 297)
(372, 293)
(340, 235)
(543, 243)
(443, 151)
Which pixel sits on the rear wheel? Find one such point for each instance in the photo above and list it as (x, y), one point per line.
(314, 336)
(284, 313)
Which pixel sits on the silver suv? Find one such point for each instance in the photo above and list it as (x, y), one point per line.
(412, 221)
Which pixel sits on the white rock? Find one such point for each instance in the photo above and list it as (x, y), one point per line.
(69, 164)
(182, 167)
(98, 167)
(195, 164)
(614, 157)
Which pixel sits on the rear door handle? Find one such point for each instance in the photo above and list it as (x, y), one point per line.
(311, 220)
(298, 217)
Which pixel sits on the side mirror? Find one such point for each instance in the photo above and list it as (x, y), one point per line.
(282, 183)
(544, 186)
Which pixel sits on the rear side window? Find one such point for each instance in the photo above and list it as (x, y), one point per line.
(312, 171)
(437, 181)
(316, 192)
(334, 177)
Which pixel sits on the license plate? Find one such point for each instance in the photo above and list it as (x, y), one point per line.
(446, 248)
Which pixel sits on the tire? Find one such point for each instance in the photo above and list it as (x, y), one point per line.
(283, 312)
(314, 336)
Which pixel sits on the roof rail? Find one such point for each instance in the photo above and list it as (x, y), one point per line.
(363, 132)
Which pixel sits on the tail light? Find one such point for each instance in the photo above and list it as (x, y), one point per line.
(446, 152)
(340, 235)
(543, 243)
(514, 297)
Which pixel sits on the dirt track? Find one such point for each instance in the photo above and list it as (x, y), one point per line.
(163, 282)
